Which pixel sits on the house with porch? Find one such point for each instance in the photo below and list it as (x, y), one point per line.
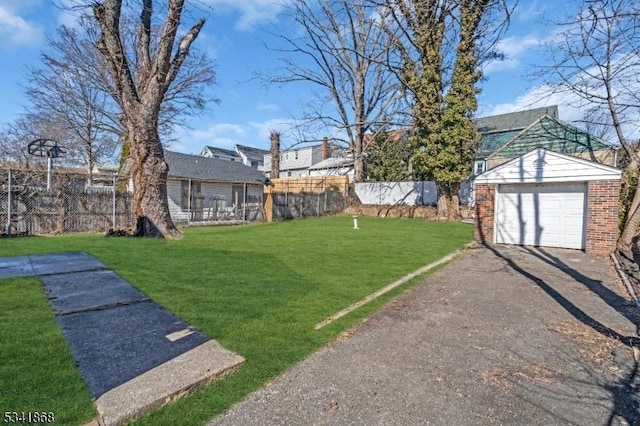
(212, 189)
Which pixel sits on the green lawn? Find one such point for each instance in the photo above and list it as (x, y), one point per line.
(259, 290)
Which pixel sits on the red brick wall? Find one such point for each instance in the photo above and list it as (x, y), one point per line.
(602, 216)
(485, 196)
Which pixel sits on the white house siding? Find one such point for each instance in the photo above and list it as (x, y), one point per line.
(297, 161)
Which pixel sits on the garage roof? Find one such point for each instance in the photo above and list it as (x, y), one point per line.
(541, 166)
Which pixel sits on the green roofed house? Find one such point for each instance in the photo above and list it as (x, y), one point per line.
(508, 136)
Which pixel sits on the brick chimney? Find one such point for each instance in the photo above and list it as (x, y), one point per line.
(326, 153)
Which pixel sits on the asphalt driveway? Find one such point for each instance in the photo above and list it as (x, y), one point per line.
(503, 335)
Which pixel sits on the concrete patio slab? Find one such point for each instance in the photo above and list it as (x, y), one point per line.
(64, 263)
(154, 388)
(84, 291)
(16, 267)
(112, 346)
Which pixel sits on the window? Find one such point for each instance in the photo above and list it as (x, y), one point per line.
(479, 167)
(296, 151)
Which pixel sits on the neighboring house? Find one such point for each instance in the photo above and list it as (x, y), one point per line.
(508, 136)
(247, 155)
(334, 166)
(252, 157)
(220, 154)
(201, 188)
(298, 162)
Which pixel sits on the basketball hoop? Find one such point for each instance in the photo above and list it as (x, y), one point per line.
(46, 148)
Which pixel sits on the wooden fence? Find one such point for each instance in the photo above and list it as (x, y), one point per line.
(300, 197)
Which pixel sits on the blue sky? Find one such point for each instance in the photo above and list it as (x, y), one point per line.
(233, 35)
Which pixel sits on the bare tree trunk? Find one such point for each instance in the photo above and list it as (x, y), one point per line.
(632, 222)
(141, 98)
(275, 155)
(449, 202)
(149, 174)
(632, 225)
(358, 159)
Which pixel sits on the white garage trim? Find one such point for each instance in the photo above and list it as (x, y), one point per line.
(549, 214)
(542, 166)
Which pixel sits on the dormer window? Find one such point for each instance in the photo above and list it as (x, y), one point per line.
(479, 167)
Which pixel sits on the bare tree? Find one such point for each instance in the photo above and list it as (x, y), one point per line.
(341, 50)
(74, 87)
(65, 90)
(596, 60)
(141, 95)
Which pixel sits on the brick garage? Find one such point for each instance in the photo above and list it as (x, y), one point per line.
(548, 199)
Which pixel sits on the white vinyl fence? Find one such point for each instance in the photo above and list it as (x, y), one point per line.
(407, 193)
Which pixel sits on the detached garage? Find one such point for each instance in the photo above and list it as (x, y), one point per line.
(548, 199)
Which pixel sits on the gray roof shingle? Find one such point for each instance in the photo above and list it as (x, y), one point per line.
(203, 168)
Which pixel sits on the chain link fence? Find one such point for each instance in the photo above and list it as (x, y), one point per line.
(38, 203)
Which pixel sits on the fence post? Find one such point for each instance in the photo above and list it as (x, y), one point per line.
(9, 205)
(244, 202)
(114, 201)
(286, 201)
(300, 203)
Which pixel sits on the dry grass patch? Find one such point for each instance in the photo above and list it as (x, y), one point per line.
(592, 347)
(507, 377)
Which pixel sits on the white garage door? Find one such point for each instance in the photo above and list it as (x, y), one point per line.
(551, 215)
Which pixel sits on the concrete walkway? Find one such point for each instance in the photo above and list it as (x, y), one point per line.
(133, 354)
(503, 335)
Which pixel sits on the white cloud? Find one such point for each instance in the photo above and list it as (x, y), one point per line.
(252, 12)
(16, 31)
(537, 97)
(264, 106)
(263, 129)
(514, 49)
(529, 10)
(221, 135)
(70, 13)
